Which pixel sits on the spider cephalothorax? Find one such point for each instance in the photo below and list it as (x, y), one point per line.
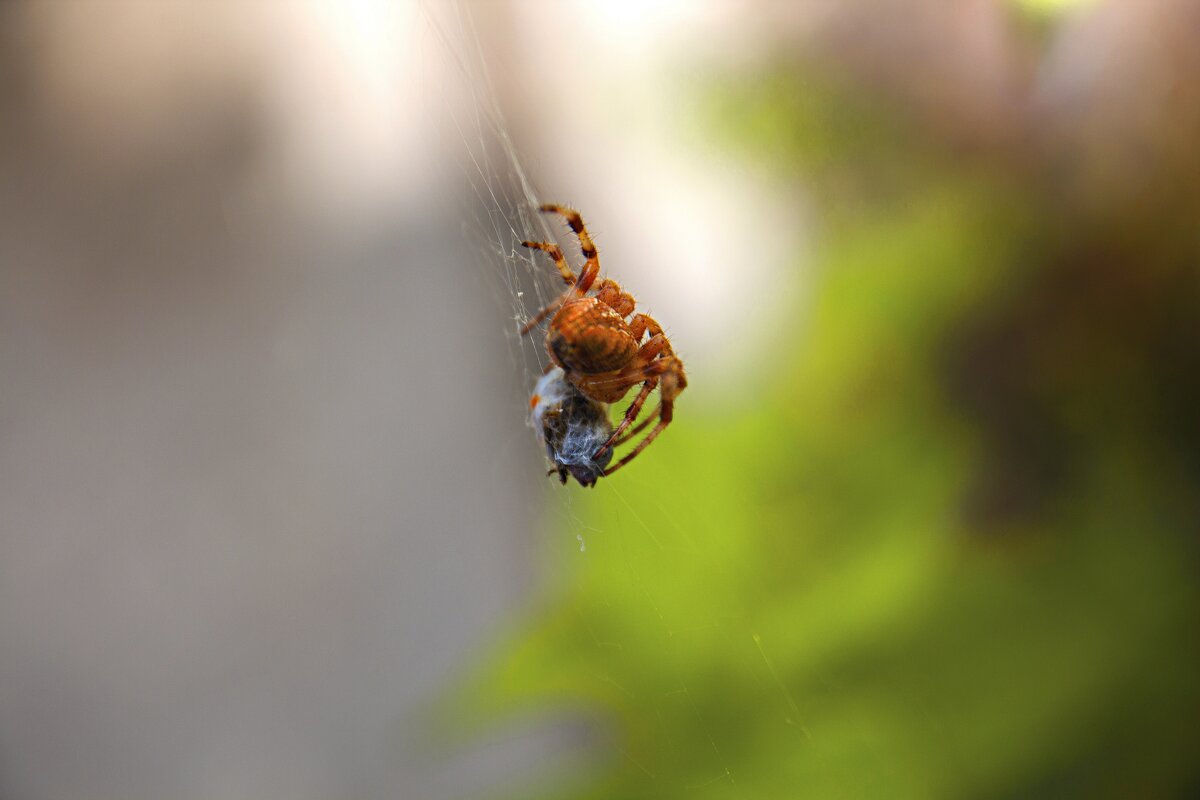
(598, 344)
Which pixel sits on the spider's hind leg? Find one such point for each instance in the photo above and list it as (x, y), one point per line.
(635, 430)
(667, 374)
(663, 412)
(631, 414)
(648, 368)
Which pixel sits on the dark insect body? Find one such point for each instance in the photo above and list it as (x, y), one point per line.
(573, 426)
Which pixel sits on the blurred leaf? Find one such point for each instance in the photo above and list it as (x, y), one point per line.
(796, 600)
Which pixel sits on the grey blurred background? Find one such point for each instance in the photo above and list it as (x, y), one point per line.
(262, 488)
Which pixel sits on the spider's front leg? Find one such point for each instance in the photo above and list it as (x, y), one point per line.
(578, 228)
(555, 253)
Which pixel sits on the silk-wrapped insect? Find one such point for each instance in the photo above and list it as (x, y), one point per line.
(573, 426)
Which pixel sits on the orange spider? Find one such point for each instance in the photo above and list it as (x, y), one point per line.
(600, 351)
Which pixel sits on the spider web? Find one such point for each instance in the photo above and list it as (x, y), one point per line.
(500, 212)
(501, 209)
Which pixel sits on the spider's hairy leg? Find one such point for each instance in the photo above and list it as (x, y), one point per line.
(612, 295)
(663, 412)
(672, 382)
(652, 348)
(590, 269)
(576, 222)
(564, 270)
(645, 367)
(539, 316)
(631, 414)
(671, 385)
(555, 253)
(635, 430)
(641, 323)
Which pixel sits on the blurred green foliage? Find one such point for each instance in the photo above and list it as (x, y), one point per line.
(1051, 6)
(945, 547)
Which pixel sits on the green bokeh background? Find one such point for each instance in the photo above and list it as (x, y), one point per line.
(945, 543)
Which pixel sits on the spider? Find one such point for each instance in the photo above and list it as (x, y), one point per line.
(599, 346)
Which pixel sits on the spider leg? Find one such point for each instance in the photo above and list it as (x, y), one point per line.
(590, 269)
(646, 367)
(639, 324)
(664, 413)
(612, 295)
(554, 252)
(564, 270)
(671, 382)
(631, 414)
(540, 315)
(632, 432)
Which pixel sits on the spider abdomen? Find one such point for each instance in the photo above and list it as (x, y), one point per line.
(589, 336)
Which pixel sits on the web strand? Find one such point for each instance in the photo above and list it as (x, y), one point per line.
(501, 210)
